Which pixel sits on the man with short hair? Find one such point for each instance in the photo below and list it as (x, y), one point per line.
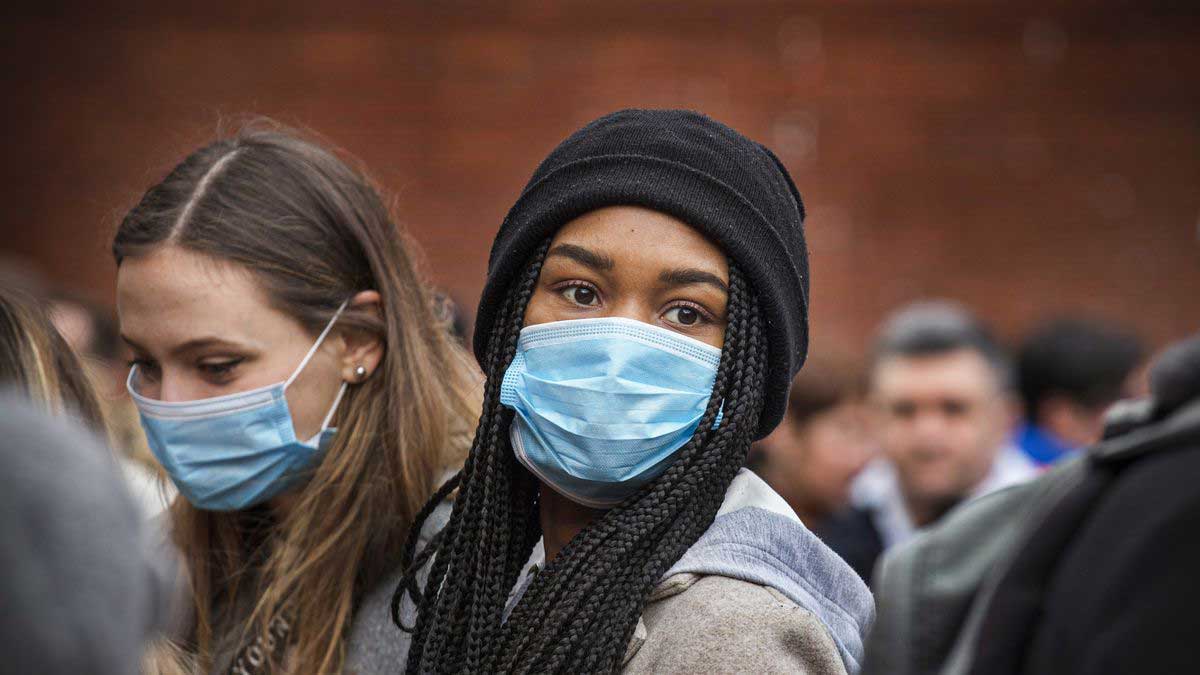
(941, 392)
(1070, 370)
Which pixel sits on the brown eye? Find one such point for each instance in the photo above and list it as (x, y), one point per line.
(684, 316)
(581, 295)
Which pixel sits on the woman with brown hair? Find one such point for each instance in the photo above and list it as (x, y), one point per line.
(37, 362)
(72, 555)
(294, 381)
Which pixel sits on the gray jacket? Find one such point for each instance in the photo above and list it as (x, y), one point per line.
(78, 594)
(758, 592)
(374, 644)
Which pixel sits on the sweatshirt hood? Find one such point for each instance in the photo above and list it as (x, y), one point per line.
(757, 538)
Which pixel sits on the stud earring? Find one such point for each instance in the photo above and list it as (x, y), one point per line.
(360, 373)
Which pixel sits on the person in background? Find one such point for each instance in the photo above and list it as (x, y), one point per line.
(80, 591)
(36, 361)
(644, 314)
(294, 381)
(941, 392)
(450, 313)
(821, 444)
(92, 332)
(1087, 570)
(1069, 371)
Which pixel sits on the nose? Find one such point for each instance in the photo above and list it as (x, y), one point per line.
(633, 307)
(172, 389)
(929, 424)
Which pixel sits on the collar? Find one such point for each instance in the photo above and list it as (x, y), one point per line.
(746, 490)
(877, 489)
(1041, 446)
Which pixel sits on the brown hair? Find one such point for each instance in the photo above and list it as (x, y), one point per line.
(37, 361)
(315, 232)
(823, 385)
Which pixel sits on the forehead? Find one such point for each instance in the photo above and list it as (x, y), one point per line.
(171, 295)
(637, 236)
(960, 373)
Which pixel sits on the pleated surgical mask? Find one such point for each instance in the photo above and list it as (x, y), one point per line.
(231, 452)
(603, 405)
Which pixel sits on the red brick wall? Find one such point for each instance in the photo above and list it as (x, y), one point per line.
(1023, 157)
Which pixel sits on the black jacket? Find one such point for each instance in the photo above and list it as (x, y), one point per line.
(1116, 592)
(1090, 569)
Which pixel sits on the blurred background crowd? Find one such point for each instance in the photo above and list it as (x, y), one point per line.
(1002, 196)
(1035, 163)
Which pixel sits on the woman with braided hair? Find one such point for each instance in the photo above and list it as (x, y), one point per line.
(644, 313)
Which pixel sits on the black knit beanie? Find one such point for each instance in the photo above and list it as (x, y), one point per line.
(698, 170)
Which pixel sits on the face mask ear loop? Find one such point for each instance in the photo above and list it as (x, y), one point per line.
(333, 409)
(316, 345)
(129, 386)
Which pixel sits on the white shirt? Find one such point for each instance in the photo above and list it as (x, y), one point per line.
(877, 488)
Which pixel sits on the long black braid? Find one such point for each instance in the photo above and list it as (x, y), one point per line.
(579, 613)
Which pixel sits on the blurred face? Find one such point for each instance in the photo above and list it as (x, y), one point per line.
(813, 463)
(200, 327)
(634, 263)
(74, 324)
(943, 418)
(1077, 425)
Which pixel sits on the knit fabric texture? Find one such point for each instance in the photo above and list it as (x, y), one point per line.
(693, 168)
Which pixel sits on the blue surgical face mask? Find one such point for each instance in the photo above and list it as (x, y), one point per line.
(231, 452)
(604, 404)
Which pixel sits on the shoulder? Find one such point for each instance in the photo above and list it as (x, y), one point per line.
(1139, 539)
(711, 623)
(375, 644)
(852, 534)
(172, 579)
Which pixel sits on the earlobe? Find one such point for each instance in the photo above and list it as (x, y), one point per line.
(361, 359)
(363, 350)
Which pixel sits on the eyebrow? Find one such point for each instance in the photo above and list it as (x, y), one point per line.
(190, 345)
(583, 256)
(687, 276)
(684, 276)
(135, 346)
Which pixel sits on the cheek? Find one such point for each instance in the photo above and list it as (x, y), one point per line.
(825, 467)
(896, 432)
(977, 434)
(312, 394)
(846, 460)
(542, 308)
(713, 335)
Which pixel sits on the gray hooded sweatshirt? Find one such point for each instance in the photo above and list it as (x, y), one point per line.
(758, 592)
